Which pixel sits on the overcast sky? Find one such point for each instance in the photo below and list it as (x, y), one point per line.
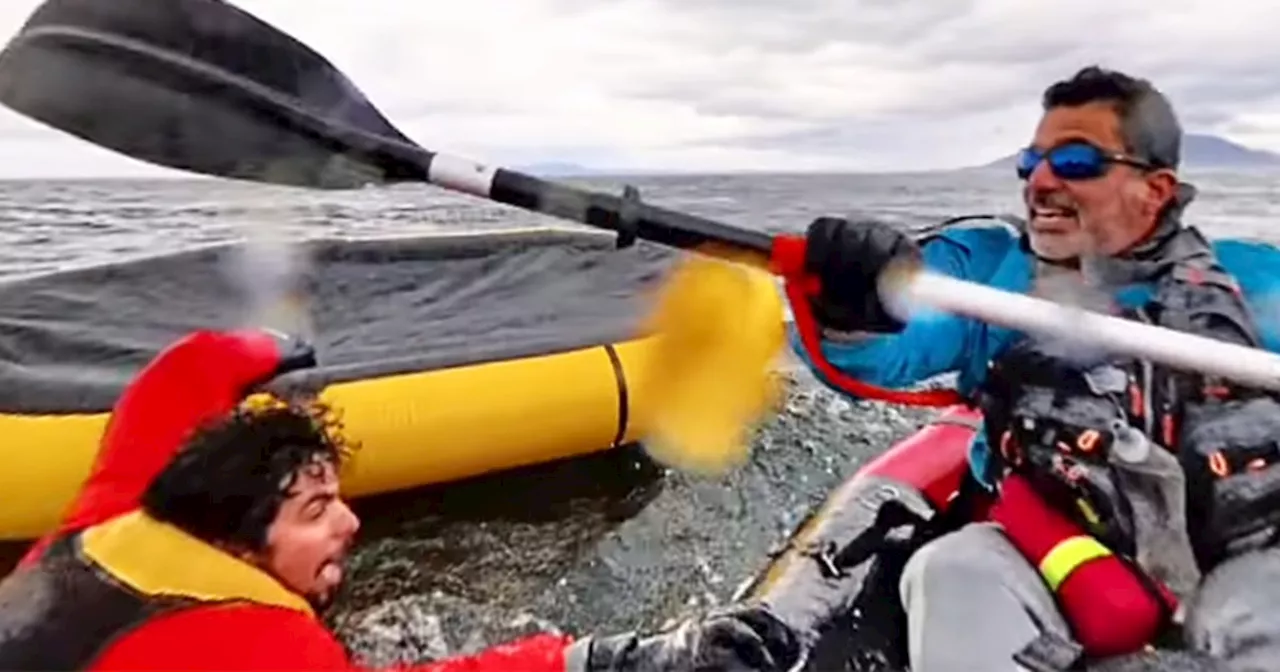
(744, 84)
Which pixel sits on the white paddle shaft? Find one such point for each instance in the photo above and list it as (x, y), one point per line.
(1180, 350)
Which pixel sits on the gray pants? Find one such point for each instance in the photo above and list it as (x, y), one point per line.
(972, 601)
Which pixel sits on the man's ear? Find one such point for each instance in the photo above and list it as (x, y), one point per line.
(1162, 188)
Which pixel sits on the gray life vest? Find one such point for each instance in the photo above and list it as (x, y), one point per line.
(1137, 453)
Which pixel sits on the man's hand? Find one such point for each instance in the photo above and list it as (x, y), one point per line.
(749, 638)
(737, 639)
(848, 258)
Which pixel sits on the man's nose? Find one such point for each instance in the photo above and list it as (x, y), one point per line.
(1042, 179)
(348, 521)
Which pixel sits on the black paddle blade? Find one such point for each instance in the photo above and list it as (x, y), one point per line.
(202, 86)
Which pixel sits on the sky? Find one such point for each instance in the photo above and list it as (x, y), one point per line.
(729, 85)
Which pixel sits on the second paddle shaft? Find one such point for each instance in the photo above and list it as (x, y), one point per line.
(625, 214)
(1180, 350)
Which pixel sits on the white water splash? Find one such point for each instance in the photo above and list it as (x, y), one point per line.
(270, 270)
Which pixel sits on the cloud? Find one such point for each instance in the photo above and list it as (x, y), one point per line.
(746, 84)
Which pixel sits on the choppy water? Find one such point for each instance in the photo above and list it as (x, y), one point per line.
(622, 544)
(46, 225)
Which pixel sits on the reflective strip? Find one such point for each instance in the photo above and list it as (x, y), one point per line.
(1068, 555)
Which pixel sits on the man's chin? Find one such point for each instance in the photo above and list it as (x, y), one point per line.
(1055, 247)
(320, 600)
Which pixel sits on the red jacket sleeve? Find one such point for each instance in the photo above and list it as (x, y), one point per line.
(537, 653)
(229, 638)
(203, 375)
(248, 637)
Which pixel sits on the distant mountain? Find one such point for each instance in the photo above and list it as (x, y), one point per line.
(1200, 151)
(1210, 151)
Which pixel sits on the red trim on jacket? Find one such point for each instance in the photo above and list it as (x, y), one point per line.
(253, 637)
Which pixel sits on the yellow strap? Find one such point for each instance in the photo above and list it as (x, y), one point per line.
(1069, 554)
(156, 558)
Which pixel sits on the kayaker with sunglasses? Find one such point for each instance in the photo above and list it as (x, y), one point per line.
(1181, 489)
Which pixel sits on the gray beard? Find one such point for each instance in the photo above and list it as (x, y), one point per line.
(1170, 243)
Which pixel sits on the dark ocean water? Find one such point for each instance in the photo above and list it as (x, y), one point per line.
(620, 543)
(46, 225)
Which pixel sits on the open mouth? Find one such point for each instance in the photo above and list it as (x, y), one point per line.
(1052, 219)
(331, 572)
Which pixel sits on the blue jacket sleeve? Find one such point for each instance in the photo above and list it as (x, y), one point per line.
(930, 344)
(1256, 266)
(933, 343)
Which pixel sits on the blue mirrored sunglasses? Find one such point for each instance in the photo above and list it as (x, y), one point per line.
(1074, 161)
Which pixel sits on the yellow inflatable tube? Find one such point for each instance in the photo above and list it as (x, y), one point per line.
(413, 428)
(449, 424)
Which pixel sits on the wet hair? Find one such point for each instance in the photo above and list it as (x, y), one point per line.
(225, 486)
(1148, 125)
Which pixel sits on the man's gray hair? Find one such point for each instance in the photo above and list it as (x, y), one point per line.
(1148, 124)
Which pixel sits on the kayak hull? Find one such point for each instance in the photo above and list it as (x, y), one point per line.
(413, 429)
(448, 357)
(858, 613)
(859, 619)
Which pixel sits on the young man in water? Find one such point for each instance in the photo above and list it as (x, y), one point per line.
(1104, 208)
(215, 549)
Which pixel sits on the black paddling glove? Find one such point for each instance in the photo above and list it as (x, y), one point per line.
(295, 352)
(741, 638)
(848, 257)
(291, 353)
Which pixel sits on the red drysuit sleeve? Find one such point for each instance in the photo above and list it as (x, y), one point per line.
(203, 375)
(537, 653)
(250, 637)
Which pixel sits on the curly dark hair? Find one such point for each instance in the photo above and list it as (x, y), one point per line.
(1150, 128)
(226, 484)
